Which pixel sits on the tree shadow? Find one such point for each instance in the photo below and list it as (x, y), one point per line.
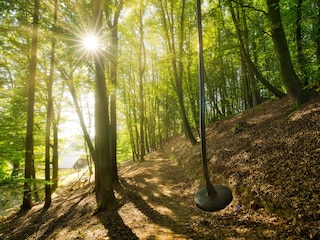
(131, 193)
(54, 225)
(113, 222)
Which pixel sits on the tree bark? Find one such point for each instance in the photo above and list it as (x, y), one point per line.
(104, 183)
(142, 60)
(112, 23)
(289, 76)
(29, 160)
(50, 114)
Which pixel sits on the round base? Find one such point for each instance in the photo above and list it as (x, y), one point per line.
(213, 203)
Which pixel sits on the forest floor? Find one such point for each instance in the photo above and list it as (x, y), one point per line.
(269, 156)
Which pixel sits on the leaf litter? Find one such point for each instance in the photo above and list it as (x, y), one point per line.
(269, 156)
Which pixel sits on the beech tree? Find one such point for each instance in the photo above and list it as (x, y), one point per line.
(288, 74)
(29, 161)
(103, 171)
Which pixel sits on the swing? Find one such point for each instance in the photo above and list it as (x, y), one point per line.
(211, 198)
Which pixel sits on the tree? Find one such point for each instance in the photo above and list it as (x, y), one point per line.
(112, 24)
(142, 68)
(169, 19)
(288, 74)
(29, 161)
(247, 57)
(103, 171)
(50, 113)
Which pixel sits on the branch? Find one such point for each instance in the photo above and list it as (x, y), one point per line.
(251, 7)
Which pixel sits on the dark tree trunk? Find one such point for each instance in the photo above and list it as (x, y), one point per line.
(15, 169)
(104, 184)
(29, 161)
(289, 76)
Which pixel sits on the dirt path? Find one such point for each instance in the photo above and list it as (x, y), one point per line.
(160, 203)
(155, 202)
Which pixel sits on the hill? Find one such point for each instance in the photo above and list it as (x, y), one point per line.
(268, 155)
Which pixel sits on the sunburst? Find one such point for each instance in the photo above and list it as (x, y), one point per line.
(90, 42)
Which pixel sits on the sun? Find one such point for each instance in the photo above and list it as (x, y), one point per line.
(91, 43)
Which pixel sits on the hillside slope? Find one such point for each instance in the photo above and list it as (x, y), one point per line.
(269, 156)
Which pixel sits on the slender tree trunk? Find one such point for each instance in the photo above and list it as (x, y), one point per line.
(113, 66)
(317, 41)
(301, 58)
(289, 76)
(246, 55)
(79, 113)
(55, 156)
(50, 114)
(142, 60)
(177, 64)
(55, 147)
(253, 91)
(29, 161)
(15, 168)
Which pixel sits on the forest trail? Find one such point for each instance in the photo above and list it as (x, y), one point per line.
(155, 202)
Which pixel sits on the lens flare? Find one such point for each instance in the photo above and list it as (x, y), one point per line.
(90, 42)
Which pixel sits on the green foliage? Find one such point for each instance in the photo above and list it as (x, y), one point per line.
(226, 73)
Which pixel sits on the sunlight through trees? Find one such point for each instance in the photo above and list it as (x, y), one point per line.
(127, 71)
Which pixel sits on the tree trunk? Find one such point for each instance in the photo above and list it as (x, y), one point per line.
(301, 58)
(142, 60)
(50, 114)
(251, 65)
(55, 156)
(289, 77)
(177, 64)
(113, 66)
(79, 113)
(103, 185)
(55, 147)
(253, 91)
(29, 161)
(317, 42)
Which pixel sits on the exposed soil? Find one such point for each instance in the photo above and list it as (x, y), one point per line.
(269, 156)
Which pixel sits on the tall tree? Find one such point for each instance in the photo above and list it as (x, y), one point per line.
(298, 33)
(50, 112)
(142, 67)
(172, 33)
(29, 161)
(103, 171)
(289, 77)
(114, 7)
(247, 57)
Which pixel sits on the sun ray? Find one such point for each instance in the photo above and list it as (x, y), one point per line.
(91, 43)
